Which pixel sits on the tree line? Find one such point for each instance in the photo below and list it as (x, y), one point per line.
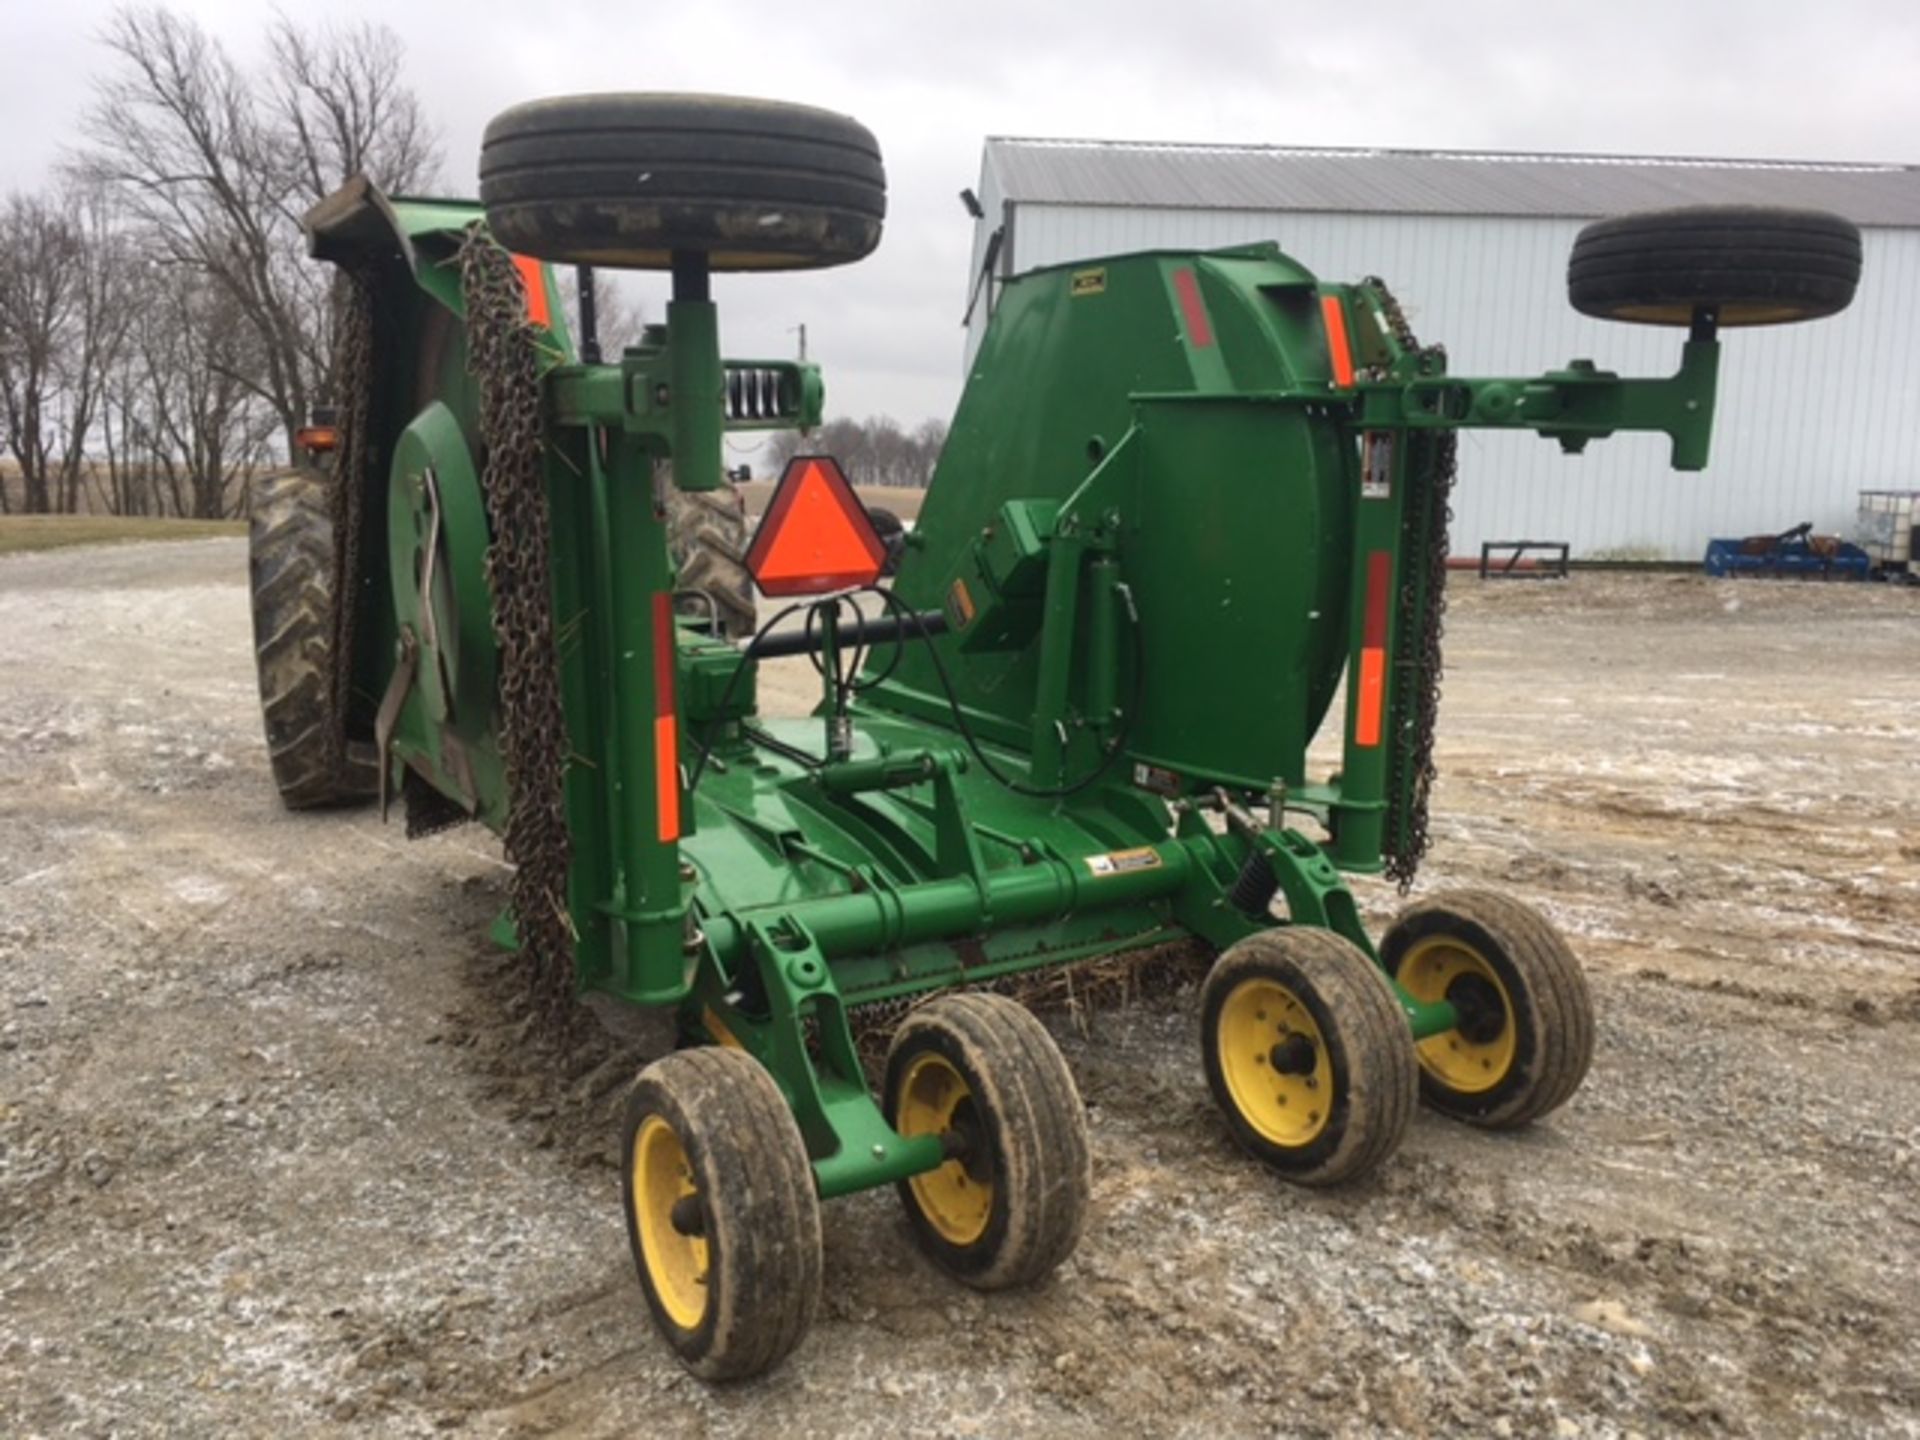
(162, 333)
(874, 451)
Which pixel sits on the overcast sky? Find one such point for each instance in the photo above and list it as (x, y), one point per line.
(1765, 79)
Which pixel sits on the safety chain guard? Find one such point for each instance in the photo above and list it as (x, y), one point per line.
(1431, 466)
(503, 356)
(353, 382)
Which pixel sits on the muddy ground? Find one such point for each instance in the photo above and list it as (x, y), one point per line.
(273, 1162)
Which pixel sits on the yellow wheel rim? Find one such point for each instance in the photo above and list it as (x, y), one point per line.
(1274, 1060)
(956, 1198)
(676, 1263)
(1429, 971)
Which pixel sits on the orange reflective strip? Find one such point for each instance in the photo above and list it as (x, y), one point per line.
(1372, 680)
(533, 275)
(666, 727)
(666, 759)
(1373, 674)
(1335, 315)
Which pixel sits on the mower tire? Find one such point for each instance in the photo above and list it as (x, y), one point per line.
(291, 580)
(707, 534)
(1307, 1052)
(981, 1072)
(627, 180)
(1525, 1038)
(1748, 264)
(722, 1216)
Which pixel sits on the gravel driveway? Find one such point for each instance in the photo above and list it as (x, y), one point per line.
(276, 1157)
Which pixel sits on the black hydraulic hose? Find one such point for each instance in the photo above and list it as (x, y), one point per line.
(747, 657)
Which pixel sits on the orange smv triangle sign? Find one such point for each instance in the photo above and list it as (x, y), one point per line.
(815, 536)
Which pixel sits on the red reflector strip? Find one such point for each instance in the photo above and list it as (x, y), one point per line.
(533, 275)
(1335, 314)
(1371, 682)
(1193, 310)
(666, 725)
(1379, 577)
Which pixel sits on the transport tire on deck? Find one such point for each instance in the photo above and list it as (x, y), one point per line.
(626, 180)
(1751, 264)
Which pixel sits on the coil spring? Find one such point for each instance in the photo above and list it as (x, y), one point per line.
(761, 394)
(1255, 886)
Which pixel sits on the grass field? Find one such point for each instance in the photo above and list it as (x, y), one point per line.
(19, 533)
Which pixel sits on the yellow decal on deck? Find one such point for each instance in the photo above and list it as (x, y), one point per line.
(1120, 862)
(1088, 282)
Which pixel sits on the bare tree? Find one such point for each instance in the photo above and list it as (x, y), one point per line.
(874, 451)
(619, 318)
(215, 167)
(38, 261)
(101, 315)
(190, 431)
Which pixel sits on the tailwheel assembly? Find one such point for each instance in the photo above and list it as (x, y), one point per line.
(1524, 1037)
(722, 1215)
(1307, 1053)
(1009, 1202)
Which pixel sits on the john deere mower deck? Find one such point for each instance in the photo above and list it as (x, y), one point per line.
(1185, 497)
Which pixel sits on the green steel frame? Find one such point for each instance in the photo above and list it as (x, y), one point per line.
(1170, 486)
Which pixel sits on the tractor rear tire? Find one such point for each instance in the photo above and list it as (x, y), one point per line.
(1525, 1040)
(722, 1216)
(707, 533)
(1308, 1054)
(290, 565)
(1011, 1204)
(892, 533)
(628, 180)
(1750, 264)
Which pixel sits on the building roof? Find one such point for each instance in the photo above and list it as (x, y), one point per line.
(1433, 182)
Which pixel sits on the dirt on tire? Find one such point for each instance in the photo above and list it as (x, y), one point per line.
(707, 535)
(291, 581)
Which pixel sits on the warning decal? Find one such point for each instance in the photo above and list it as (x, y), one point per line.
(1120, 862)
(1376, 466)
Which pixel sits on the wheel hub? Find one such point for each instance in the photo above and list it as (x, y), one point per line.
(1296, 1054)
(1480, 1049)
(1476, 1001)
(1274, 1062)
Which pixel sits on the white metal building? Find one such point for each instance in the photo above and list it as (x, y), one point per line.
(1475, 246)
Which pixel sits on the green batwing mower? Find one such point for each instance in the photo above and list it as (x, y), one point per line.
(1188, 500)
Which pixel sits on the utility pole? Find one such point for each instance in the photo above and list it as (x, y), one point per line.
(802, 329)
